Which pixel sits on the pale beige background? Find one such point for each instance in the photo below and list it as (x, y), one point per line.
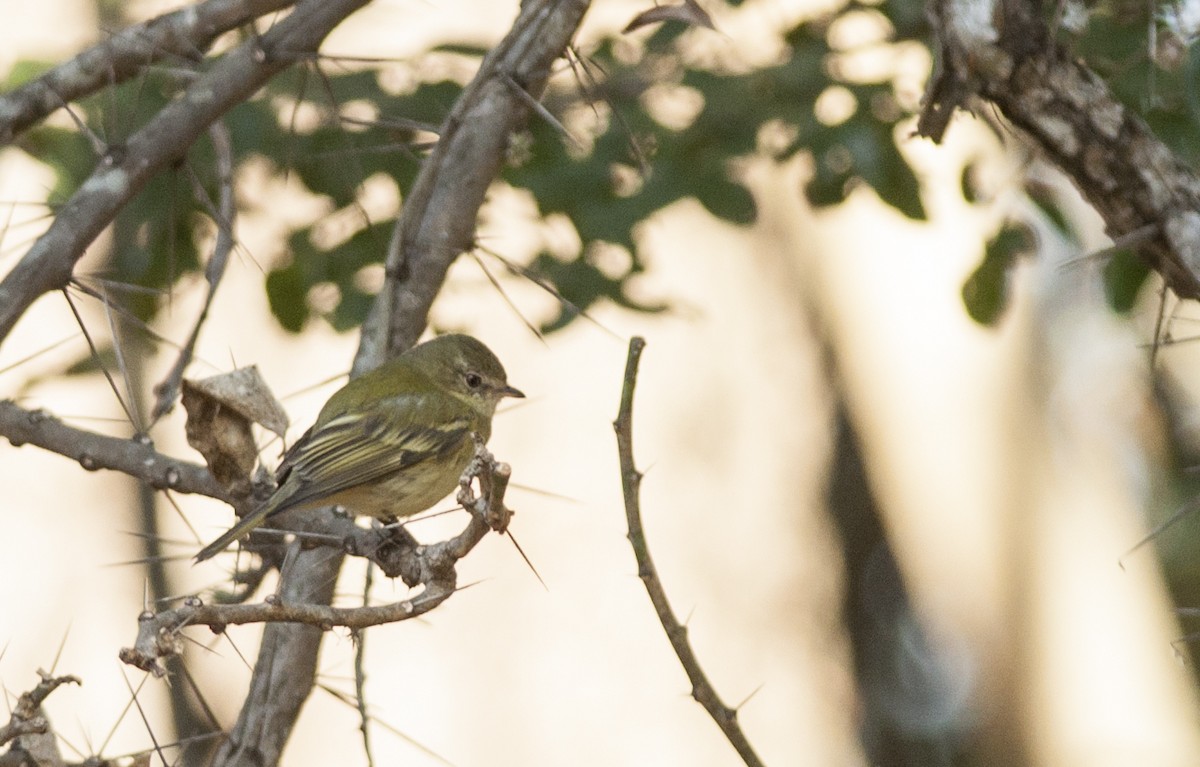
(988, 478)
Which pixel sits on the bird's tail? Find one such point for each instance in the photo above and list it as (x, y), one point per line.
(244, 525)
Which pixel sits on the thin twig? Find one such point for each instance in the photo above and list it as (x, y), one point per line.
(504, 295)
(360, 672)
(142, 713)
(631, 479)
(342, 697)
(116, 390)
(540, 110)
(222, 214)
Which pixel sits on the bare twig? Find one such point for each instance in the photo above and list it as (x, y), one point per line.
(360, 672)
(135, 457)
(27, 717)
(223, 215)
(345, 698)
(631, 479)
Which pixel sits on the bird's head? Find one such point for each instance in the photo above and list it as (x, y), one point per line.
(466, 369)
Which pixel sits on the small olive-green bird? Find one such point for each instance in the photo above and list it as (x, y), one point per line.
(392, 442)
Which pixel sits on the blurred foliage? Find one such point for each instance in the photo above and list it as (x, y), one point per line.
(630, 163)
(985, 293)
(627, 156)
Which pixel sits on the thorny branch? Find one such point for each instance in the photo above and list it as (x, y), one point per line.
(184, 34)
(28, 729)
(430, 566)
(437, 225)
(631, 480)
(124, 170)
(135, 457)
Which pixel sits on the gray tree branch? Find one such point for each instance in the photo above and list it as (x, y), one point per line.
(440, 212)
(125, 169)
(431, 567)
(184, 34)
(1131, 177)
(135, 457)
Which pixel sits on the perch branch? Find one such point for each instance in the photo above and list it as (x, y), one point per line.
(431, 566)
(631, 479)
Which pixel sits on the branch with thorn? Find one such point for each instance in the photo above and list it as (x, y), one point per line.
(135, 457)
(431, 566)
(185, 34)
(28, 730)
(631, 480)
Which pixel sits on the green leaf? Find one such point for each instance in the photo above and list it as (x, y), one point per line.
(878, 162)
(985, 292)
(104, 359)
(1124, 276)
(287, 293)
(969, 183)
(728, 200)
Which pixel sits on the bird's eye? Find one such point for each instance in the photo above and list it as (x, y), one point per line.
(474, 380)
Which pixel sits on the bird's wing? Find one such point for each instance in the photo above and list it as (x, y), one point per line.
(356, 449)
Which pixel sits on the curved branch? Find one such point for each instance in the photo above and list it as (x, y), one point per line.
(1131, 177)
(94, 451)
(184, 34)
(631, 480)
(125, 170)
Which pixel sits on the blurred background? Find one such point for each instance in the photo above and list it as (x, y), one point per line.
(903, 432)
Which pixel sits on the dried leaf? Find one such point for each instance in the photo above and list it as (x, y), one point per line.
(221, 411)
(245, 391)
(689, 12)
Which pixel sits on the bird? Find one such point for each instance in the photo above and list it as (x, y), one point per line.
(392, 442)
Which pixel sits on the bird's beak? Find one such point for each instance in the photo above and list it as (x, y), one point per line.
(511, 391)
